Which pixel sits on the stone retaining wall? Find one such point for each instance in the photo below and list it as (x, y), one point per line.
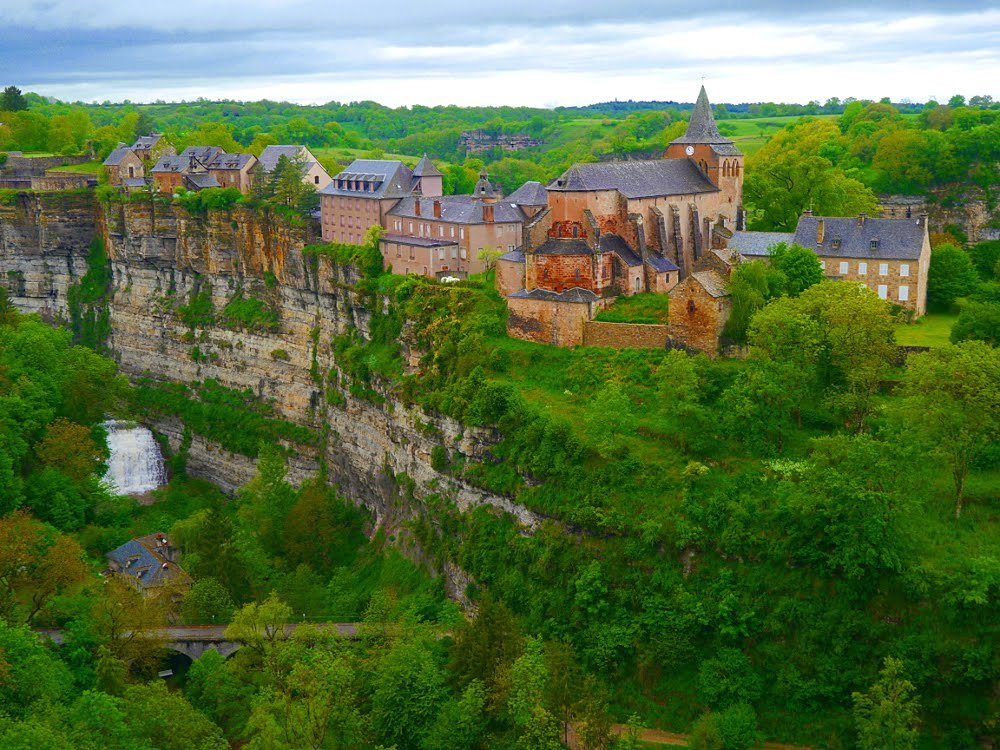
(625, 335)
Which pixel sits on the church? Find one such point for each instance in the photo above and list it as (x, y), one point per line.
(622, 227)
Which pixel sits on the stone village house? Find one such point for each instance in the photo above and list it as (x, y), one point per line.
(889, 256)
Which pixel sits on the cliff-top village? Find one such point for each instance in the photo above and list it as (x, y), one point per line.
(565, 251)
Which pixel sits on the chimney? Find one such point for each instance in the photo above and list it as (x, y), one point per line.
(437, 209)
(922, 220)
(807, 212)
(416, 207)
(861, 218)
(820, 232)
(488, 213)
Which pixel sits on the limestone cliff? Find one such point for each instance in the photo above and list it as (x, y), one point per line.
(44, 239)
(162, 257)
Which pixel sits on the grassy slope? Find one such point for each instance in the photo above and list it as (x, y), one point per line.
(931, 330)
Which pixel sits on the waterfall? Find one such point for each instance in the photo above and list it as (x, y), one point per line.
(136, 464)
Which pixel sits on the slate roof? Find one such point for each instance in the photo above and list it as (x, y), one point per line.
(136, 182)
(204, 154)
(139, 559)
(576, 294)
(405, 239)
(172, 164)
(116, 156)
(662, 265)
(268, 159)
(755, 244)
(484, 188)
(425, 168)
(144, 142)
(636, 179)
(514, 256)
(897, 239)
(554, 246)
(612, 243)
(202, 180)
(712, 282)
(231, 161)
(531, 193)
(701, 127)
(456, 209)
(391, 179)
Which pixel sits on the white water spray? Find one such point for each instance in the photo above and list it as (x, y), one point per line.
(136, 464)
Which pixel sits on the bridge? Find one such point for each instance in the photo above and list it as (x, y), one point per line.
(194, 640)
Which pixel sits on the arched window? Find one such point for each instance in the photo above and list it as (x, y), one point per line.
(576, 231)
(578, 274)
(690, 307)
(545, 273)
(736, 169)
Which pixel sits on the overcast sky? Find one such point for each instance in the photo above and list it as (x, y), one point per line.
(528, 52)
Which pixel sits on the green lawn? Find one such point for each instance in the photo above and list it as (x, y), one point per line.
(931, 330)
(639, 308)
(88, 167)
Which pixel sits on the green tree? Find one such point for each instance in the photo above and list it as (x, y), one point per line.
(409, 693)
(610, 419)
(978, 321)
(798, 169)
(951, 275)
(207, 602)
(887, 717)
(12, 100)
(798, 265)
(951, 404)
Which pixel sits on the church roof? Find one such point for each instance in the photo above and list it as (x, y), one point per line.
(576, 294)
(636, 179)
(613, 243)
(701, 127)
(425, 168)
(714, 284)
(661, 264)
(563, 246)
(531, 193)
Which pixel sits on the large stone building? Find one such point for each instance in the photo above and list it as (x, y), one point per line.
(625, 227)
(363, 193)
(889, 256)
(426, 233)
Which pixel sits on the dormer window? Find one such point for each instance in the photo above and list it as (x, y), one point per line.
(835, 245)
(873, 245)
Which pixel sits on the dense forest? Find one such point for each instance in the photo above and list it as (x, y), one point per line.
(798, 546)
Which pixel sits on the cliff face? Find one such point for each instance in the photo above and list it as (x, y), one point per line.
(44, 240)
(161, 257)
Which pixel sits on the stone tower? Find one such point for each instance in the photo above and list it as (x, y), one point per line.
(714, 154)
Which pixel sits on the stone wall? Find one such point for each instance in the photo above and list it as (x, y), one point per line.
(547, 321)
(36, 166)
(625, 335)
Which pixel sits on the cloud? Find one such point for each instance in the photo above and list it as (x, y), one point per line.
(560, 51)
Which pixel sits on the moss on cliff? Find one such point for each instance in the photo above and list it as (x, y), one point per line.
(87, 301)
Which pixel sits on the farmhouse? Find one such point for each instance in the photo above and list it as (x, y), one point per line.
(313, 172)
(889, 256)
